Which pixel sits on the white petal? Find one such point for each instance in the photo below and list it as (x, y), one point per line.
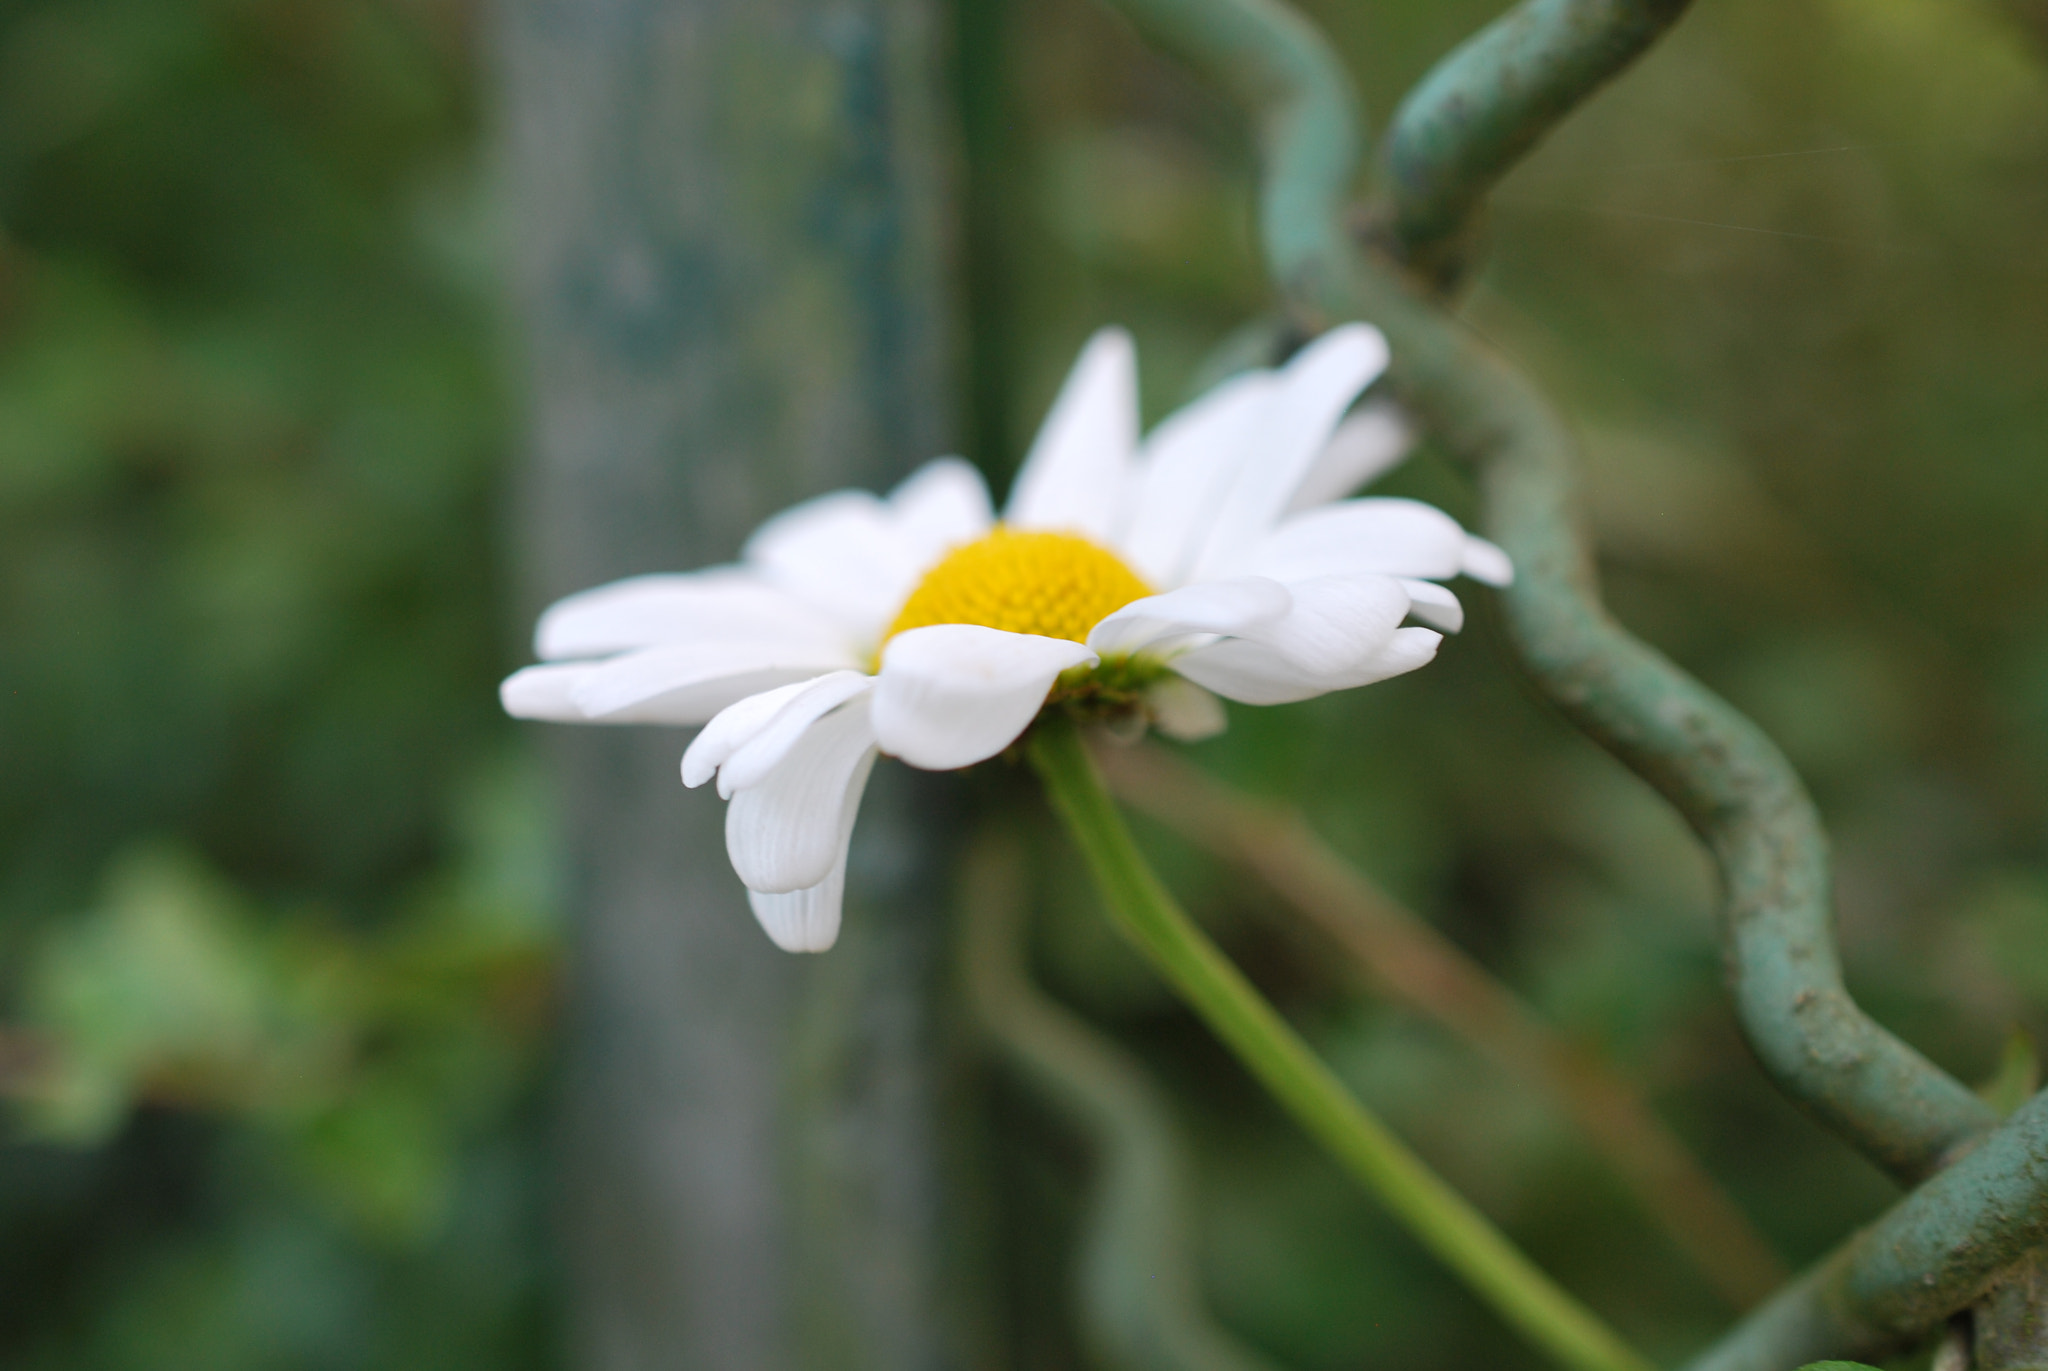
(1434, 605)
(807, 920)
(1234, 606)
(1371, 441)
(803, 920)
(1337, 621)
(1408, 649)
(1380, 536)
(840, 553)
(1315, 388)
(731, 729)
(1331, 639)
(940, 506)
(954, 694)
(1186, 470)
(543, 692)
(1483, 561)
(720, 602)
(687, 683)
(1077, 473)
(751, 762)
(1251, 673)
(787, 832)
(1256, 674)
(1184, 711)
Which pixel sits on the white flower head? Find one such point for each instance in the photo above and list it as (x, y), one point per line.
(1137, 577)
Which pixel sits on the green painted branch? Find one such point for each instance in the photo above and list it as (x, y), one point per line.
(1141, 1307)
(1487, 104)
(2009, 1326)
(1716, 767)
(1936, 1252)
(1722, 773)
(1146, 913)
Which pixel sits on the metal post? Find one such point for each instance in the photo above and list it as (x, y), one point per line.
(730, 261)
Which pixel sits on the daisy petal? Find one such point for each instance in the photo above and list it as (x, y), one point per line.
(807, 920)
(1234, 606)
(1434, 605)
(1371, 441)
(543, 692)
(1337, 621)
(803, 920)
(840, 553)
(1255, 674)
(1315, 388)
(787, 832)
(954, 694)
(1483, 561)
(1251, 673)
(1183, 710)
(1408, 649)
(939, 506)
(1331, 639)
(751, 762)
(1380, 536)
(1076, 475)
(687, 683)
(731, 729)
(1185, 471)
(724, 602)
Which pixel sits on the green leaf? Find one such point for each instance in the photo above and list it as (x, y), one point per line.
(172, 990)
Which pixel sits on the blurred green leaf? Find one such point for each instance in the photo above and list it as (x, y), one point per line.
(170, 990)
(2018, 1075)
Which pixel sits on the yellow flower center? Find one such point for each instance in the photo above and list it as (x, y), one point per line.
(1057, 585)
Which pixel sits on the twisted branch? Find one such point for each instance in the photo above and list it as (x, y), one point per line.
(1489, 103)
(1937, 1251)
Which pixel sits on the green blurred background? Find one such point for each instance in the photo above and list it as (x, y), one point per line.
(277, 920)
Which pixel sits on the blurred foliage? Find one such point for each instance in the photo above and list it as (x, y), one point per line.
(369, 1056)
(274, 898)
(274, 880)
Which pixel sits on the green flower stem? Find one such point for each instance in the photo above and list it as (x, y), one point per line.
(1459, 1235)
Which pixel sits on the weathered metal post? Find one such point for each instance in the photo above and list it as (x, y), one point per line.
(731, 268)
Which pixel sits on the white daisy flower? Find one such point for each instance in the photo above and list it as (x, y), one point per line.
(1130, 576)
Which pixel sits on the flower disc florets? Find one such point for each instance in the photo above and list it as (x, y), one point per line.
(1054, 585)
